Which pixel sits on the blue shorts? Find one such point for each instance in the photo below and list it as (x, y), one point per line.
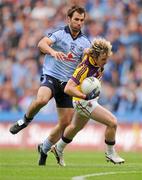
(57, 87)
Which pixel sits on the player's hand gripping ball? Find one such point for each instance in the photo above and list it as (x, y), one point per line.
(91, 86)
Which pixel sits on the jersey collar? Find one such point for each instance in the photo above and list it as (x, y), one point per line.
(92, 61)
(67, 29)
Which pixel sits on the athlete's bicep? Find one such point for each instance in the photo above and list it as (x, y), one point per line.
(45, 41)
(45, 45)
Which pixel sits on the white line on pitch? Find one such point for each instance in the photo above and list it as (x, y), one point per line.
(103, 174)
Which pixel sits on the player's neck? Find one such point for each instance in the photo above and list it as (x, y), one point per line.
(74, 33)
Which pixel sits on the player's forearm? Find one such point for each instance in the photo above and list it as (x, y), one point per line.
(73, 91)
(46, 49)
(44, 46)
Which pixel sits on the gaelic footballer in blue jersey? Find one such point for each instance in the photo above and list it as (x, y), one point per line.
(88, 108)
(63, 51)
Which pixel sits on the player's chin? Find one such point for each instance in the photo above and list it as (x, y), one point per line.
(77, 29)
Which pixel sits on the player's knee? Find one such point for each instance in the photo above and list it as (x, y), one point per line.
(64, 124)
(42, 101)
(113, 122)
(64, 121)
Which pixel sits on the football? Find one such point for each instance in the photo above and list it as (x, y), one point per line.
(89, 84)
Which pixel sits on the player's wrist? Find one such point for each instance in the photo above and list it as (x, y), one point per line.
(52, 52)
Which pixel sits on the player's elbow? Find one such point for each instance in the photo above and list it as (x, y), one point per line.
(70, 88)
(43, 44)
(40, 44)
(67, 89)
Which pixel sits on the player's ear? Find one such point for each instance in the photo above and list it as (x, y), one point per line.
(92, 52)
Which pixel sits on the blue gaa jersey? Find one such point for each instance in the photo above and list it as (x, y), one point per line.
(72, 47)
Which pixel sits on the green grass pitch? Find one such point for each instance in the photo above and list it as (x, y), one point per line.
(22, 165)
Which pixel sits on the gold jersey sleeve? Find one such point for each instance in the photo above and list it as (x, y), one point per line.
(81, 73)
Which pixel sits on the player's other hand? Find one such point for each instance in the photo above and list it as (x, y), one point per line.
(92, 95)
(59, 55)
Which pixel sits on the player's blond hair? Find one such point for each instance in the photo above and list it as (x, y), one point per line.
(101, 46)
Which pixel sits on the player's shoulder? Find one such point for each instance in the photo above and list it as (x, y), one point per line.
(85, 40)
(85, 37)
(56, 30)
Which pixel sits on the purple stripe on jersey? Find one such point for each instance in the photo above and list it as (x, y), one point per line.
(75, 80)
(92, 70)
(81, 72)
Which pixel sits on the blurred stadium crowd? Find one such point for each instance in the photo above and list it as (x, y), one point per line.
(25, 22)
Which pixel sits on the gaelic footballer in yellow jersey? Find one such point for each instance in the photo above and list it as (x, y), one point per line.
(88, 67)
(92, 65)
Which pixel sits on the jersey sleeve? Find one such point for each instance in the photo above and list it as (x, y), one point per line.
(55, 36)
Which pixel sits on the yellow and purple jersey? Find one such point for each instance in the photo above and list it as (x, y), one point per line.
(86, 68)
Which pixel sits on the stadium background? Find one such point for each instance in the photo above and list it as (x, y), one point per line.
(25, 22)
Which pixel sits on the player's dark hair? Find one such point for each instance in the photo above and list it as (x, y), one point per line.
(78, 9)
